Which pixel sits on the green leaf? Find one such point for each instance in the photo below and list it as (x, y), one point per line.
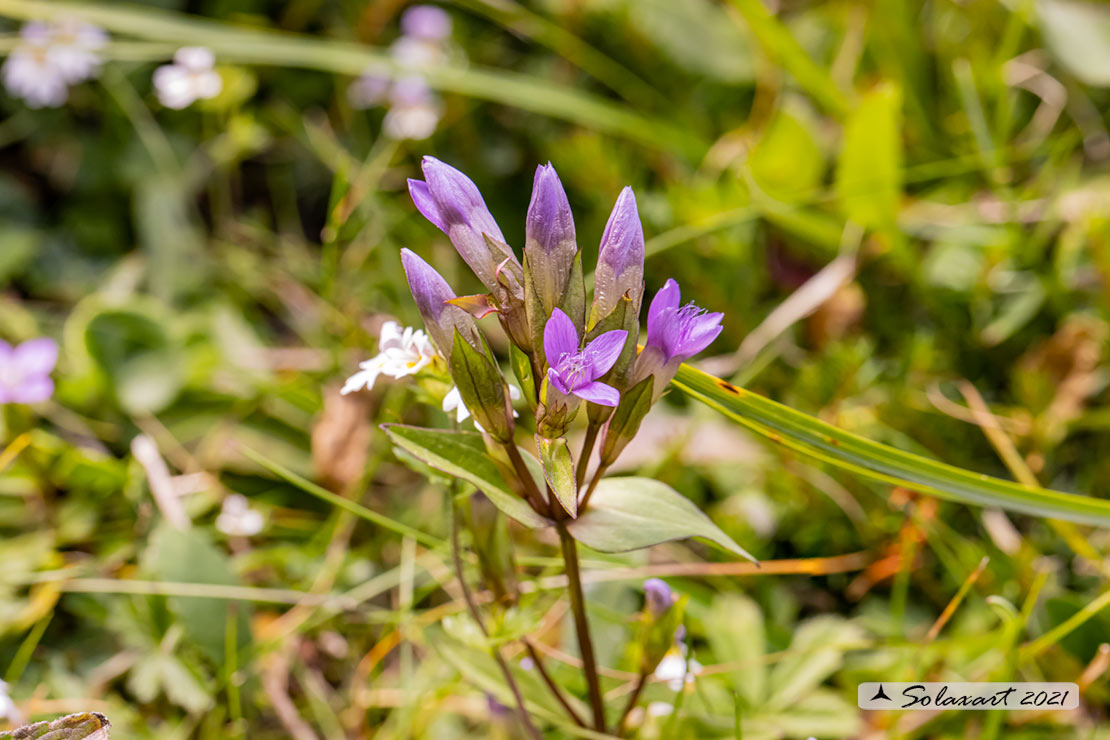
(849, 451)
(463, 455)
(787, 162)
(188, 556)
(778, 43)
(138, 357)
(868, 172)
(625, 422)
(634, 513)
(482, 388)
(1078, 35)
(696, 34)
(522, 369)
(815, 653)
(734, 626)
(558, 471)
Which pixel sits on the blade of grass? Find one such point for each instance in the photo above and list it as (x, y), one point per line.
(336, 500)
(877, 461)
(268, 47)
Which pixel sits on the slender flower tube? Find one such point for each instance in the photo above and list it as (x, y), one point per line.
(549, 240)
(25, 371)
(620, 261)
(575, 372)
(453, 203)
(431, 293)
(675, 334)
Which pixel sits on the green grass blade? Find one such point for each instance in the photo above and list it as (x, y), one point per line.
(335, 499)
(268, 47)
(854, 453)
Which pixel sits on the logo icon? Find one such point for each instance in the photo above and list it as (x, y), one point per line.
(880, 694)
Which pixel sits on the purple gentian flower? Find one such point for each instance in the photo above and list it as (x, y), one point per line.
(549, 240)
(658, 595)
(431, 293)
(620, 261)
(575, 372)
(426, 22)
(451, 201)
(675, 334)
(25, 370)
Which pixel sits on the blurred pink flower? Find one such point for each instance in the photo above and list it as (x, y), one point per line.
(25, 370)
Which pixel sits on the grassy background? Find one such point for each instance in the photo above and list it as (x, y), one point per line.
(214, 274)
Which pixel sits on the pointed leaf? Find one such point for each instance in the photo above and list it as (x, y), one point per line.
(849, 451)
(634, 513)
(558, 471)
(735, 630)
(482, 388)
(463, 454)
(868, 172)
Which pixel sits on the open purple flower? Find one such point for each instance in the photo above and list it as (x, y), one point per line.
(674, 334)
(679, 332)
(575, 372)
(25, 370)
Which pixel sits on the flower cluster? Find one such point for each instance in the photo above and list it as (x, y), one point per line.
(566, 354)
(49, 58)
(414, 110)
(190, 78)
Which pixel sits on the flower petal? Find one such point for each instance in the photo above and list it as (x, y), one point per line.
(458, 198)
(32, 390)
(559, 337)
(36, 356)
(425, 203)
(665, 300)
(555, 380)
(599, 393)
(603, 352)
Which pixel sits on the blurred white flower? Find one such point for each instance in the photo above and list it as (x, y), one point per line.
(659, 709)
(413, 53)
(453, 402)
(414, 110)
(675, 669)
(370, 89)
(8, 710)
(401, 352)
(50, 57)
(237, 518)
(190, 78)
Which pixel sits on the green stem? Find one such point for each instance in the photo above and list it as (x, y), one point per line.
(555, 690)
(539, 503)
(593, 484)
(584, 457)
(472, 606)
(582, 625)
(631, 702)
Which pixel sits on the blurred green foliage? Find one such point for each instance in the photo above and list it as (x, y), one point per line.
(212, 274)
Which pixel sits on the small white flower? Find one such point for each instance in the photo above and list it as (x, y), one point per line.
(414, 53)
(400, 353)
(237, 519)
(453, 402)
(8, 710)
(676, 670)
(190, 78)
(659, 709)
(414, 110)
(49, 58)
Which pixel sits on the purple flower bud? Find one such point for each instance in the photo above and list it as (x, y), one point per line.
(549, 241)
(451, 201)
(575, 372)
(25, 371)
(426, 22)
(431, 293)
(658, 595)
(675, 334)
(620, 261)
